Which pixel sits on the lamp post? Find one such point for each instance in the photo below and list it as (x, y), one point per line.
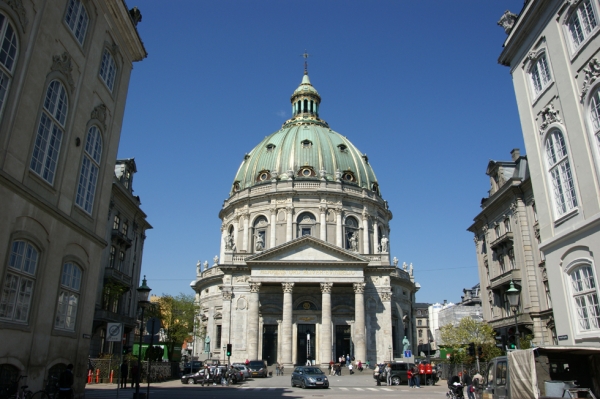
(143, 293)
(513, 298)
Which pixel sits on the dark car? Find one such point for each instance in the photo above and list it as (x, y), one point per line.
(399, 373)
(198, 378)
(258, 368)
(192, 367)
(309, 376)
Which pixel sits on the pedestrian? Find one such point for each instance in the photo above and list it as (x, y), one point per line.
(281, 369)
(388, 374)
(477, 384)
(367, 364)
(409, 376)
(359, 366)
(347, 360)
(65, 383)
(277, 369)
(350, 368)
(376, 375)
(468, 382)
(124, 373)
(247, 363)
(308, 362)
(331, 363)
(134, 374)
(416, 377)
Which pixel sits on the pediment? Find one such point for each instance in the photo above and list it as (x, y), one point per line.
(306, 249)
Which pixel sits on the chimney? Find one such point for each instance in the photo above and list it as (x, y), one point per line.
(516, 153)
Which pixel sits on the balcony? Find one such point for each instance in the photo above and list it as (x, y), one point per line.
(106, 316)
(119, 237)
(504, 278)
(111, 273)
(505, 239)
(509, 321)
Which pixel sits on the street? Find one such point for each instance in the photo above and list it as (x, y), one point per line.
(357, 386)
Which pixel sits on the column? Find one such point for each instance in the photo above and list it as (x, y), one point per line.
(273, 224)
(226, 317)
(236, 226)
(252, 335)
(375, 236)
(360, 345)
(323, 220)
(286, 326)
(289, 212)
(365, 222)
(245, 237)
(223, 235)
(325, 339)
(279, 335)
(385, 323)
(338, 228)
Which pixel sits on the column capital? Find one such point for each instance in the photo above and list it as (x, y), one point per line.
(273, 210)
(287, 287)
(227, 295)
(289, 209)
(323, 208)
(326, 288)
(254, 287)
(359, 288)
(338, 211)
(386, 296)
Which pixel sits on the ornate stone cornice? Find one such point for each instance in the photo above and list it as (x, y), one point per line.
(62, 64)
(359, 288)
(326, 288)
(592, 71)
(254, 287)
(99, 113)
(549, 116)
(287, 287)
(17, 6)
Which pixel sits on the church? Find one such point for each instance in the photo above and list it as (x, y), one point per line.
(304, 270)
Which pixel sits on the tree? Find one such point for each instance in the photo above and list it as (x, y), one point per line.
(177, 314)
(469, 330)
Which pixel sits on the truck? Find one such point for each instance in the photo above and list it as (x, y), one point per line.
(544, 372)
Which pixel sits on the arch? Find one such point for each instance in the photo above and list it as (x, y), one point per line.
(305, 298)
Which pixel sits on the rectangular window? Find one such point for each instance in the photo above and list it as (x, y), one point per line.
(124, 228)
(306, 231)
(68, 298)
(218, 340)
(17, 288)
(116, 222)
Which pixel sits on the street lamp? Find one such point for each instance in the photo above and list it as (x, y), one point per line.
(513, 299)
(143, 302)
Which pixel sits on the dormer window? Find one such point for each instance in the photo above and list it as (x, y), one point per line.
(348, 176)
(263, 175)
(343, 148)
(270, 147)
(306, 143)
(236, 186)
(306, 171)
(375, 188)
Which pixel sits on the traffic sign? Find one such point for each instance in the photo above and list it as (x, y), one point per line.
(114, 331)
(408, 353)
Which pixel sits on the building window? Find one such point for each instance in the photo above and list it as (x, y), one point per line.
(306, 222)
(501, 262)
(113, 255)
(125, 228)
(419, 322)
(351, 234)
(585, 297)
(511, 258)
(116, 222)
(497, 230)
(260, 233)
(121, 261)
(77, 19)
(90, 167)
(50, 132)
(420, 333)
(548, 297)
(595, 115)
(507, 225)
(108, 69)
(540, 74)
(582, 23)
(560, 173)
(68, 298)
(19, 280)
(8, 55)
(218, 340)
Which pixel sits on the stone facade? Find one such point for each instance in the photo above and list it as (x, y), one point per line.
(507, 247)
(64, 76)
(304, 269)
(553, 54)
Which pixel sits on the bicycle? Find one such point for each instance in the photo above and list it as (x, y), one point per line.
(50, 392)
(22, 392)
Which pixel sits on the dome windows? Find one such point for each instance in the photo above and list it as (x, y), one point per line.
(307, 171)
(375, 189)
(306, 143)
(236, 186)
(343, 148)
(349, 176)
(270, 147)
(263, 175)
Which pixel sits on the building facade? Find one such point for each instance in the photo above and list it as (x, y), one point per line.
(304, 270)
(424, 337)
(122, 262)
(507, 246)
(64, 74)
(553, 52)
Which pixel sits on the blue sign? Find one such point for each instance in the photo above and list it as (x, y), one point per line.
(407, 353)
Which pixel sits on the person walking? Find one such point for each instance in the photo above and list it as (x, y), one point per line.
(124, 373)
(350, 369)
(409, 376)
(65, 383)
(388, 374)
(468, 382)
(359, 366)
(416, 377)
(134, 374)
(376, 375)
(347, 360)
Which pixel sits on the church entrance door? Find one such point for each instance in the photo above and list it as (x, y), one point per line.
(343, 338)
(269, 343)
(305, 343)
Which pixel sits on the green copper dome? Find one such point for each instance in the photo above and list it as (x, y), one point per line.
(305, 148)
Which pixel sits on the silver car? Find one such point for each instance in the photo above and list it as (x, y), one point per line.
(242, 367)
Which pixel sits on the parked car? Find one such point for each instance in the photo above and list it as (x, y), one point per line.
(192, 367)
(309, 376)
(399, 373)
(198, 377)
(245, 370)
(258, 368)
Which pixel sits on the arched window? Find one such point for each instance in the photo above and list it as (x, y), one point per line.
(585, 298)
(559, 170)
(68, 297)
(50, 132)
(90, 167)
(595, 116)
(8, 55)
(260, 233)
(108, 69)
(306, 223)
(540, 74)
(19, 282)
(77, 19)
(582, 22)
(351, 234)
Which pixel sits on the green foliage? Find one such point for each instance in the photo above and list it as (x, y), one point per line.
(468, 330)
(525, 342)
(177, 318)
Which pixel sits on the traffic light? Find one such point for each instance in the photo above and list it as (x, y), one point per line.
(512, 338)
(479, 351)
(472, 349)
(126, 349)
(228, 350)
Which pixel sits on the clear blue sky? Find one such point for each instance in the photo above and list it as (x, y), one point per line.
(414, 84)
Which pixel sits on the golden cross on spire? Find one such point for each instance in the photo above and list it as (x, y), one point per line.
(305, 55)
